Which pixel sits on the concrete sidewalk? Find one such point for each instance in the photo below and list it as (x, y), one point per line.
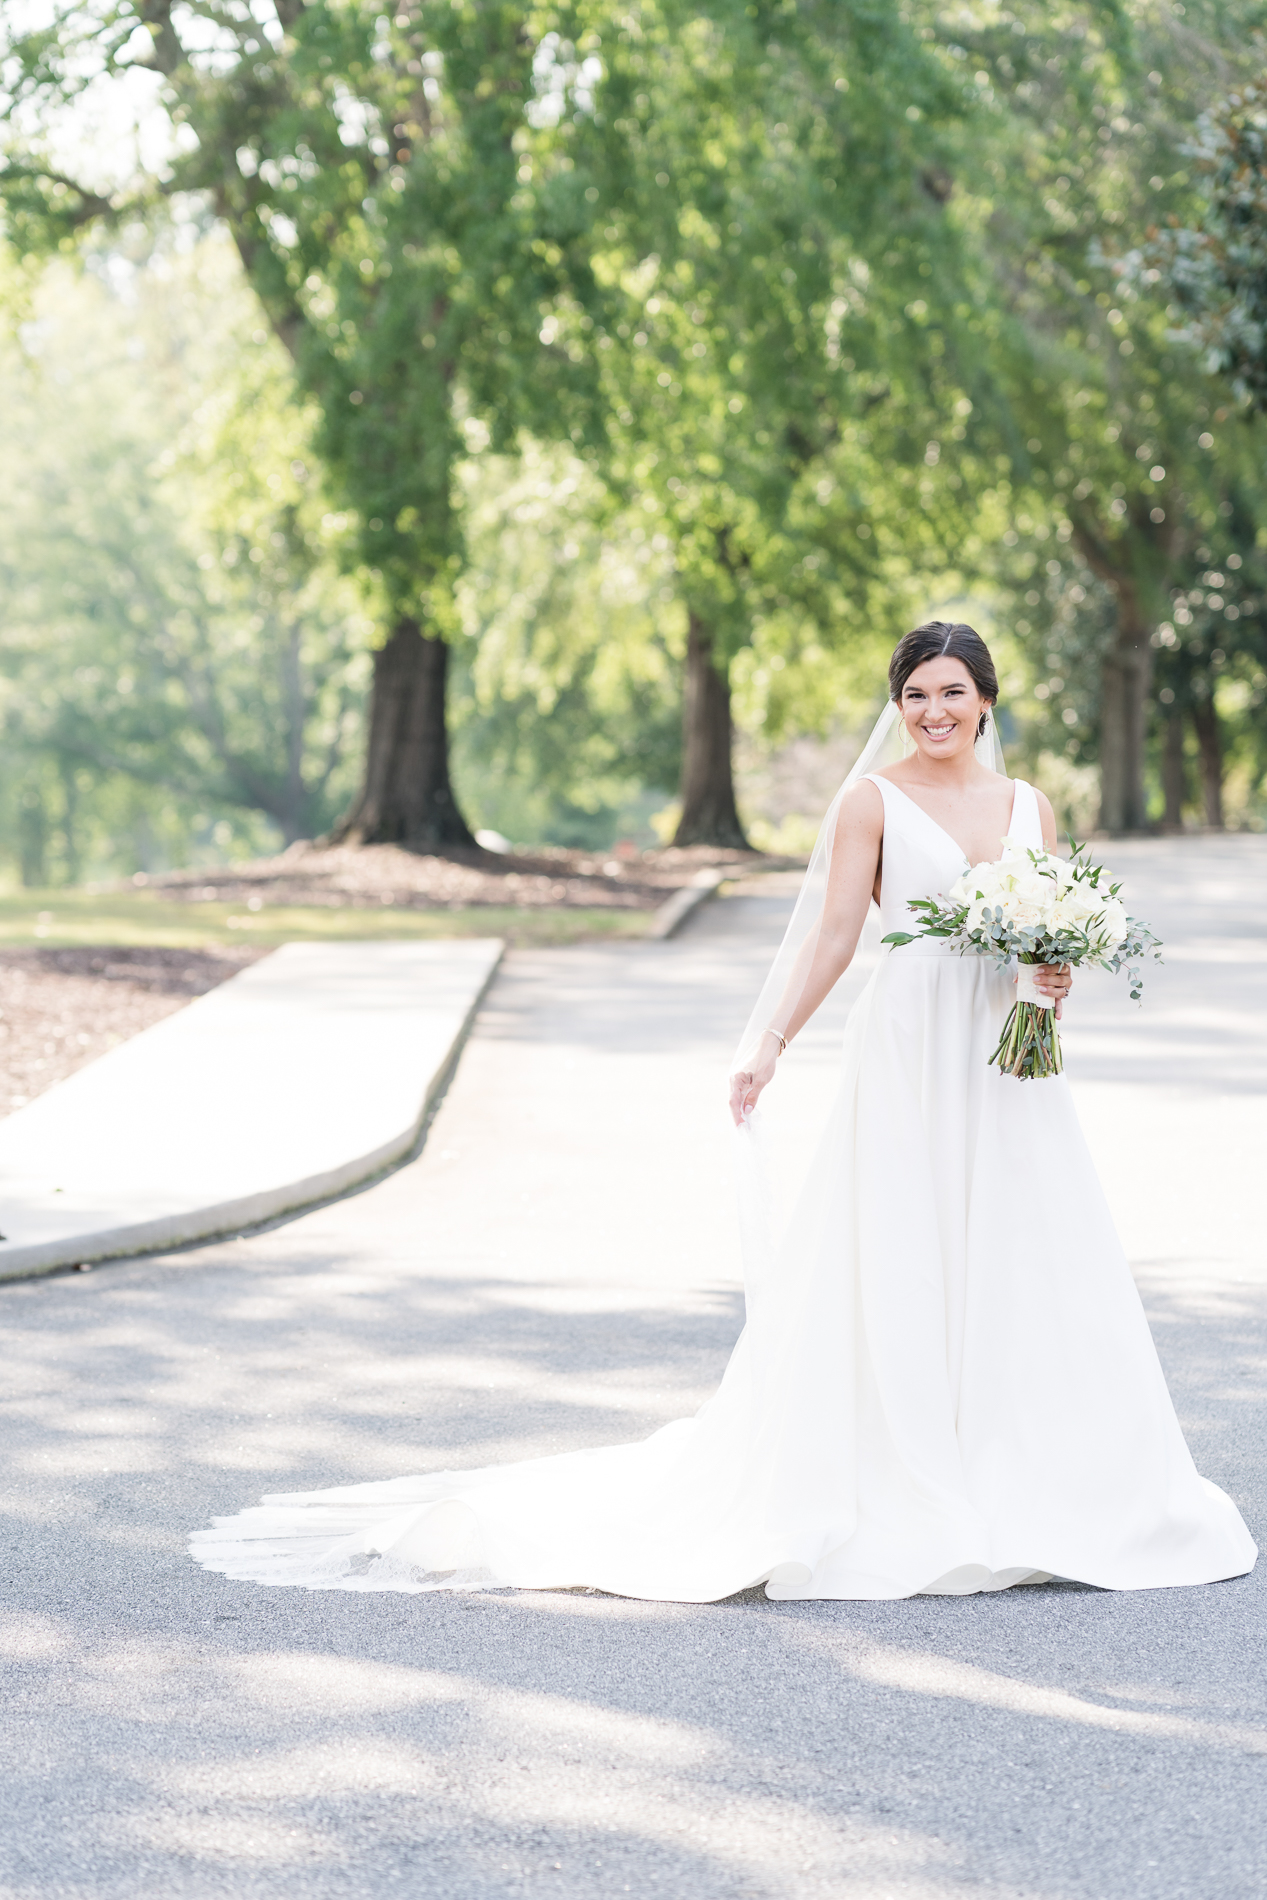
(303, 1075)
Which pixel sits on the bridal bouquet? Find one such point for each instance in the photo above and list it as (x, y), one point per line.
(1038, 908)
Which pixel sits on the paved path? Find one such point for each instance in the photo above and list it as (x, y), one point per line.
(558, 1270)
(299, 1078)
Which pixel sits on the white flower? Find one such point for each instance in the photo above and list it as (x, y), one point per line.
(982, 881)
(1037, 891)
(1026, 916)
(1112, 923)
(1023, 903)
(1032, 888)
(1078, 907)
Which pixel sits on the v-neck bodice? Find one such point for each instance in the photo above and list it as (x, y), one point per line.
(920, 859)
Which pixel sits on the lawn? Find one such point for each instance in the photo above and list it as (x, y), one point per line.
(63, 917)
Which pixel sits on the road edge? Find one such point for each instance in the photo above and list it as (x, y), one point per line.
(670, 917)
(171, 1231)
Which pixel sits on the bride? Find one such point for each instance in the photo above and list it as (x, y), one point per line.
(946, 1382)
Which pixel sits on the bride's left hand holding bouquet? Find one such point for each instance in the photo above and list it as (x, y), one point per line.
(1038, 908)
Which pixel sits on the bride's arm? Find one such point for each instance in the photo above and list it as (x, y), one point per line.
(851, 883)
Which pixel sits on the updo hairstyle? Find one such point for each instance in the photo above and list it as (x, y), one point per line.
(945, 640)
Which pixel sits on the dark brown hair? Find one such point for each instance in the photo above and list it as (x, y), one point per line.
(945, 640)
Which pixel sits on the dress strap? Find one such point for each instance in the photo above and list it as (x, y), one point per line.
(1026, 825)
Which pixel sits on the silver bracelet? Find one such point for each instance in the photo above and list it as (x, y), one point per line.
(781, 1040)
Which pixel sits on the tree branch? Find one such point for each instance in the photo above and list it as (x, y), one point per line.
(169, 54)
(91, 204)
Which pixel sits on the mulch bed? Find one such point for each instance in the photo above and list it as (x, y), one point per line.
(385, 875)
(61, 1008)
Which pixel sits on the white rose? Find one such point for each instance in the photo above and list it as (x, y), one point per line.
(1113, 922)
(1034, 889)
(980, 883)
(1081, 902)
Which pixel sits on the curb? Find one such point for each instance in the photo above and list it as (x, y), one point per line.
(197, 1225)
(672, 915)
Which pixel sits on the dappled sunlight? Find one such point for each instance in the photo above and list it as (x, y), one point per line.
(326, 1376)
(1176, 1290)
(1211, 1335)
(32, 1638)
(931, 1675)
(551, 1740)
(596, 1779)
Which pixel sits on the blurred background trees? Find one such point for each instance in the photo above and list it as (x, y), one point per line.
(174, 621)
(544, 419)
(1093, 143)
(566, 700)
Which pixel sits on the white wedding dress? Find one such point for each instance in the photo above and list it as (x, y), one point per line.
(946, 1382)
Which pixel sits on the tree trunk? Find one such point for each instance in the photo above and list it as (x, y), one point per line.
(1174, 772)
(70, 821)
(1126, 678)
(1210, 747)
(406, 797)
(33, 838)
(709, 814)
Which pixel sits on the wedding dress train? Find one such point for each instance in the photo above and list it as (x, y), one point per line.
(946, 1382)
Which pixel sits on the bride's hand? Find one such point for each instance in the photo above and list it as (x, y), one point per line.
(1054, 979)
(746, 1084)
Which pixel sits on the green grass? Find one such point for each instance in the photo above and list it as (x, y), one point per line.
(144, 918)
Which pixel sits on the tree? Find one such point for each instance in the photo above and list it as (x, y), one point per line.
(1211, 659)
(566, 690)
(1216, 268)
(1087, 113)
(1214, 271)
(368, 170)
(172, 617)
(771, 235)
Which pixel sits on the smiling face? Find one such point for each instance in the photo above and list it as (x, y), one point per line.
(942, 708)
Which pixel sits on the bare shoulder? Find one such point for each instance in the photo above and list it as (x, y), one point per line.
(862, 804)
(860, 820)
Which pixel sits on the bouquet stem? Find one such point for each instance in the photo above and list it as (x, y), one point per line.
(1029, 1047)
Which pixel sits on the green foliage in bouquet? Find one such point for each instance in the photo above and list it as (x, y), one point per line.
(1037, 908)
